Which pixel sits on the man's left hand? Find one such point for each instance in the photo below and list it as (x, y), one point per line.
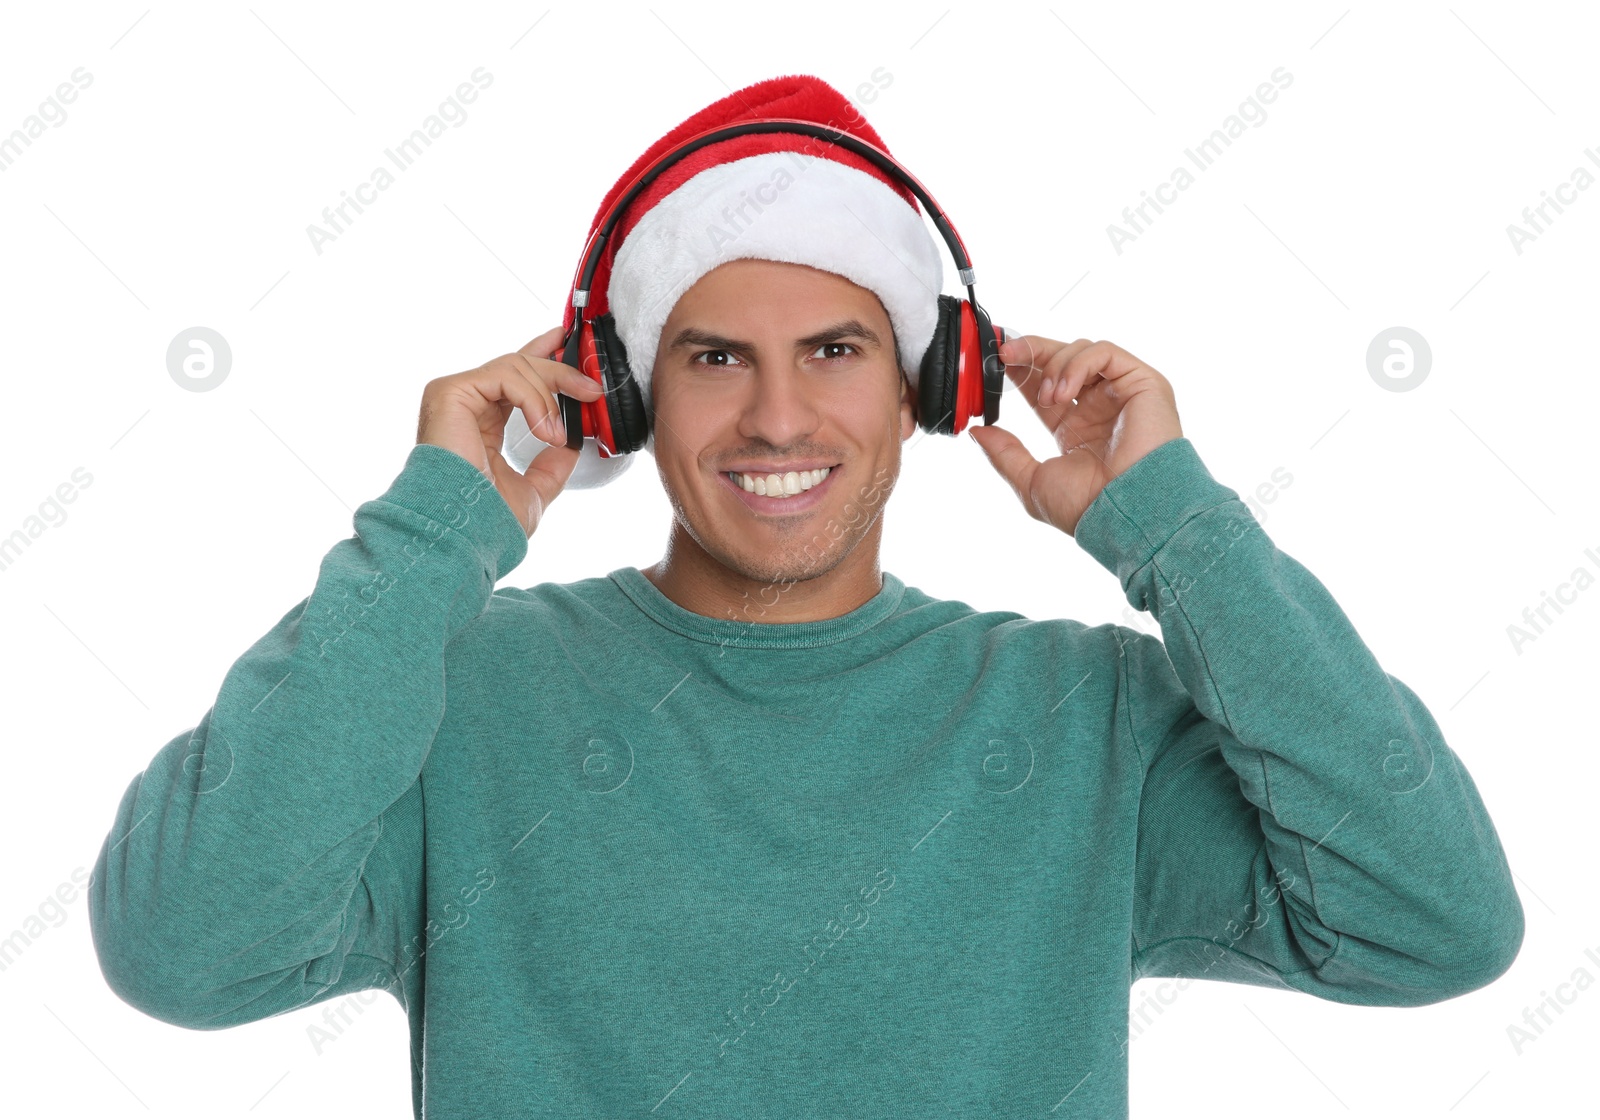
(1105, 408)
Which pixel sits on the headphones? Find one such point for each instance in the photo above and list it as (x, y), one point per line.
(961, 373)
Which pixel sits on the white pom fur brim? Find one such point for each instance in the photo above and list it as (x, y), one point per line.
(780, 206)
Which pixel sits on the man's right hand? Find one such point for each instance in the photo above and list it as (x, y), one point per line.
(466, 413)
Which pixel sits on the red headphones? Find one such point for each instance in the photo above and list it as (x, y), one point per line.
(961, 375)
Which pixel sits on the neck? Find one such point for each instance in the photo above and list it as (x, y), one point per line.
(699, 582)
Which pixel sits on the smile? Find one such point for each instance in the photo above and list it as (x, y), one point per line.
(795, 503)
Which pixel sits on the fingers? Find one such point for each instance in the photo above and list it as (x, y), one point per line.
(528, 392)
(546, 348)
(539, 347)
(1034, 365)
(535, 488)
(1051, 375)
(1011, 460)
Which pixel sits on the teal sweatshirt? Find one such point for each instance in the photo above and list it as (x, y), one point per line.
(615, 858)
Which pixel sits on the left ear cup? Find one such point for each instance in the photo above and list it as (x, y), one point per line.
(982, 351)
(617, 421)
(629, 425)
(962, 374)
(936, 380)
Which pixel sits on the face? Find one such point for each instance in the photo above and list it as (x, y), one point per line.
(766, 367)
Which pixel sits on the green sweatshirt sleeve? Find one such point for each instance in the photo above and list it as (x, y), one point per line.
(270, 857)
(1303, 823)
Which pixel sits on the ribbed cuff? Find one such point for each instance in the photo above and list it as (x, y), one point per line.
(1139, 511)
(442, 486)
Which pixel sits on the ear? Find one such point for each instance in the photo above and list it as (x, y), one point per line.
(908, 408)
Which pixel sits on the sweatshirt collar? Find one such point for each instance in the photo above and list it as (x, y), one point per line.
(746, 633)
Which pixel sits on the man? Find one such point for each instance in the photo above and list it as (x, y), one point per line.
(761, 830)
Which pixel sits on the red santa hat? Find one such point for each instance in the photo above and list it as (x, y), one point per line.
(777, 196)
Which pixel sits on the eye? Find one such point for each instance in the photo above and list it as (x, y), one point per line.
(695, 359)
(848, 345)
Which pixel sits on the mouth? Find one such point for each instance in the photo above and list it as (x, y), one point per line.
(805, 500)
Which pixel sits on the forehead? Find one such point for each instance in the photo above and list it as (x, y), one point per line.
(774, 294)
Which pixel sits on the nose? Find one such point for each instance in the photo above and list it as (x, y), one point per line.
(782, 410)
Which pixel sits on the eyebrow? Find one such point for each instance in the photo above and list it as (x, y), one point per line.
(847, 328)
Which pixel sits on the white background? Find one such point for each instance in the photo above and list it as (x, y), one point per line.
(1377, 193)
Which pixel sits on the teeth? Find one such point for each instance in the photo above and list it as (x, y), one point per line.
(780, 486)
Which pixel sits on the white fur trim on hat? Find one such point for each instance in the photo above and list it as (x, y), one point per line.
(778, 206)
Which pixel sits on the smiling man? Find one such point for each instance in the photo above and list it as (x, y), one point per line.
(786, 378)
(762, 830)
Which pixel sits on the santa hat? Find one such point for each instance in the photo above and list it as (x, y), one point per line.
(776, 196)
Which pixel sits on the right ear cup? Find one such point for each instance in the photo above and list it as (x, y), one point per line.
(627, 425)
(936, 381)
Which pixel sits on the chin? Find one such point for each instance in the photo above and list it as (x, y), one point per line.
(786, 564)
